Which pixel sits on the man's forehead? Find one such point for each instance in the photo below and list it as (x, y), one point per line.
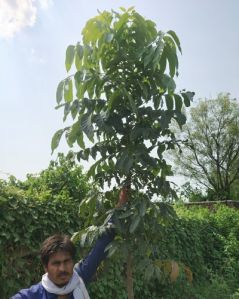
(60, 256)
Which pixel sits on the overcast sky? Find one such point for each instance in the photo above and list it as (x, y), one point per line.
(34, 35)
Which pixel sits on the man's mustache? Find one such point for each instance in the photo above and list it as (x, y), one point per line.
(63, 274)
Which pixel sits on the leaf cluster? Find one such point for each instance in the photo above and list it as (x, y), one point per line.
(30, 211)
(122, 98)
(24, 224)
(206, 242)
(210, 154)
(63, 178)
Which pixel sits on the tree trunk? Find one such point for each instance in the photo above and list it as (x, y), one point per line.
(129, 274)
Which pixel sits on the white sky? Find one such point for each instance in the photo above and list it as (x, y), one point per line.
(34, 35)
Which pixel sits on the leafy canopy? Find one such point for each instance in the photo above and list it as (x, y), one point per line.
(211, 154)
(62, 179)
(122, 98)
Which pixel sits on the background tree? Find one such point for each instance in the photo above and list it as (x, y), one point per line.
(62, 179)
(210, 156)
(123, 101)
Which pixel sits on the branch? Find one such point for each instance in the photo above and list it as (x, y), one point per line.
(192, 147)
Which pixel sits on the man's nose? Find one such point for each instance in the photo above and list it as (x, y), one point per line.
(62, 267)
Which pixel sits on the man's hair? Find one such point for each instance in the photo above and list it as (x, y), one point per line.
(55, 244)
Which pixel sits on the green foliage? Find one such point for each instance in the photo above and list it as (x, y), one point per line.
(24, 224)
(124, 99)
(132, 222)
(63, 179)
(190, 193)
(32, 210)
(210, 154)
(205, 241)
(200, 239)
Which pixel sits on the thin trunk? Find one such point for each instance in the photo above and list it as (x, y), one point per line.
(129, 274)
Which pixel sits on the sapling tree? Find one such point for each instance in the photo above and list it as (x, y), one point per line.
(121, 97)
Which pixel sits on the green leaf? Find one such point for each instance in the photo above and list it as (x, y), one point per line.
(168, 83)
(59, 92)
(158, 53)
(91, 87)
(159, 48)
(83, 154)
(92, 31)
(99, 87)
(124, 163)
(170, 51)
(122, 21)
(178, 102)
(79, 84)
(56, 139)
(68, 90)
(114, 99)
(131, 8)
(157, 100)
(134, 224)
(79, 76)
(149, 57)
(142, 208)
(67, 110)
(79, 51)
(126, 214)
(165, 119)
(132, 102)
(180, 118)
(74, 133)
(80, 140)
(87, 127)
(123, 9)
(161, 149)
(70, 54)
(188, 97)
(79, 56)
(136, 132)
(91, 171)
(75, 108)
(142, 88)
(171, 86)
(171, 62)
(176, 39)
(108, 37)
(163, 61)
(169, 101)
(115, 120)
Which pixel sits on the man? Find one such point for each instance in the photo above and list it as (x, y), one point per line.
(63, 280)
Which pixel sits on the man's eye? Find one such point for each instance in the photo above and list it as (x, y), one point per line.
(56, 263)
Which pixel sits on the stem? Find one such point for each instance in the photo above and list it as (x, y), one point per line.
(129, 274)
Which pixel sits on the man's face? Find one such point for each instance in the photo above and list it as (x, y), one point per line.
(60, 268)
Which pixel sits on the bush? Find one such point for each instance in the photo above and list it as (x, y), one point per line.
(24, 224)
(206, 242)
(32, 210)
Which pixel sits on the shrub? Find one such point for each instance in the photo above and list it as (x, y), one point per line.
(205, 242)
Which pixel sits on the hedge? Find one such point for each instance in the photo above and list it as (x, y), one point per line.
(206, 242)
(24, 224)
